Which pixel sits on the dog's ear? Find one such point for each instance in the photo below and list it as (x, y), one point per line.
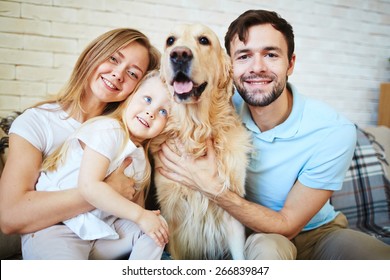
(225, 79)
(162, 68)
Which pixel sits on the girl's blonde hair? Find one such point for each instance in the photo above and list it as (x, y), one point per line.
(56, 158)
(70, 96)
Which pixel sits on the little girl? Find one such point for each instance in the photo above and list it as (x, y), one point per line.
(118, 227)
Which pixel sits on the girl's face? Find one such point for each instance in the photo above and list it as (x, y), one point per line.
(116, 78)
(147, 112)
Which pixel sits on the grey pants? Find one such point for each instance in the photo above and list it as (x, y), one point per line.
(333, 241)
(60, 243)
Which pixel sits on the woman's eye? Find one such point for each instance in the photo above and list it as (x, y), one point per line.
(133, 74)
(148, 99)
(113, 59)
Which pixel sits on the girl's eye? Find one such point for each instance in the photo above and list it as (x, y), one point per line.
(163, 112)
(148, 99)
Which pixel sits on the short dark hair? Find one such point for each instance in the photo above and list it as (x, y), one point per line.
(250, 18)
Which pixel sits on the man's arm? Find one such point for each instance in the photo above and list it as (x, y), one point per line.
(301, 205)
(201, 174)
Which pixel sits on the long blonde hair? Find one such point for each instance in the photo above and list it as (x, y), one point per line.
(70, 96)
(56, 158)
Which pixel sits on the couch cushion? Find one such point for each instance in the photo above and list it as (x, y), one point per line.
(10, 247)
(365, 196)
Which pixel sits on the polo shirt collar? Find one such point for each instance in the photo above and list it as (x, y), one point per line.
(285, 130)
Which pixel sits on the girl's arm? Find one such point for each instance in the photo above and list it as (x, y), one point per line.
(97, 192)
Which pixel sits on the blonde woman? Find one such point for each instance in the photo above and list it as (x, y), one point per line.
(105, 74)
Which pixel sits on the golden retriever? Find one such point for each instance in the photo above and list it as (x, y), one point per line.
(198, 74)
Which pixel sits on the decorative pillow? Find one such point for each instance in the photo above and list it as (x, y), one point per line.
(365, 196)
(3, 146)
(5, 124)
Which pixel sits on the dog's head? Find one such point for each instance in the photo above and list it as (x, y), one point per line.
(194, 63)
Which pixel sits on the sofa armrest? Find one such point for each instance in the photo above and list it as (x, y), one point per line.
(381, 144)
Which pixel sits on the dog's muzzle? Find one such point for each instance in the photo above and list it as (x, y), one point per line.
(185, 90)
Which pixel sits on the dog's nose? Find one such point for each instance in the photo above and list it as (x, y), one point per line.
(181, 55)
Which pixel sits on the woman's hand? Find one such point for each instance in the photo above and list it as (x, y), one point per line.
(198, 174)
(155, 226)
(120, 182)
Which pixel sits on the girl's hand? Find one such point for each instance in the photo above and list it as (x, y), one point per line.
(155, 226)
(120, 182)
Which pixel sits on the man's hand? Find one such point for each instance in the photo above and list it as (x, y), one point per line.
(198, 174)
(120, 182)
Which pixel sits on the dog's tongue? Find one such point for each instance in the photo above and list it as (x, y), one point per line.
(182, 87)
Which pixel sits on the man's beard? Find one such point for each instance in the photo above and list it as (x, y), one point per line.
(259, 97)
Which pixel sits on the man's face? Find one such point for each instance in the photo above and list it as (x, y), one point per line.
(261, 66)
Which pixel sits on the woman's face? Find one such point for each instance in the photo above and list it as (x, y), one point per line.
(116, 78)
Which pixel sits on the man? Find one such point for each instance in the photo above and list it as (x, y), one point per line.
(302, 149)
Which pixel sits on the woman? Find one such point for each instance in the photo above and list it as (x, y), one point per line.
(105, 74)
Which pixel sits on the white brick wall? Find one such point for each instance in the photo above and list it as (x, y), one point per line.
(342, 46)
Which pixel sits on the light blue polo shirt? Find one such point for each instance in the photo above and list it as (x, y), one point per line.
(314, 145)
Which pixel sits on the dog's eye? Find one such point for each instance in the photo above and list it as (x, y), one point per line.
(204, 41)
(170, 41)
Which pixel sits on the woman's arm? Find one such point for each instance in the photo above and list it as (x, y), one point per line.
(22, 209)
(97, 192)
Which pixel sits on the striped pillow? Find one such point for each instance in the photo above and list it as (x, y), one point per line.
(365, 196)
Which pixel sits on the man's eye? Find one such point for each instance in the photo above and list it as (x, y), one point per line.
(272, 55)
(242, 57)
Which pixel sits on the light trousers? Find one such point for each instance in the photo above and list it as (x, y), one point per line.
(332, 241)
(58, 242)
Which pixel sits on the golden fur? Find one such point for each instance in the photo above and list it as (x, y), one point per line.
(199, 229)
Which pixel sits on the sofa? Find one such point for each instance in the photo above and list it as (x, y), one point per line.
(364, 198)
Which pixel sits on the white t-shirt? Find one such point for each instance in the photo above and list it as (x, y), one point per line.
(46, 128)
(106, 136)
